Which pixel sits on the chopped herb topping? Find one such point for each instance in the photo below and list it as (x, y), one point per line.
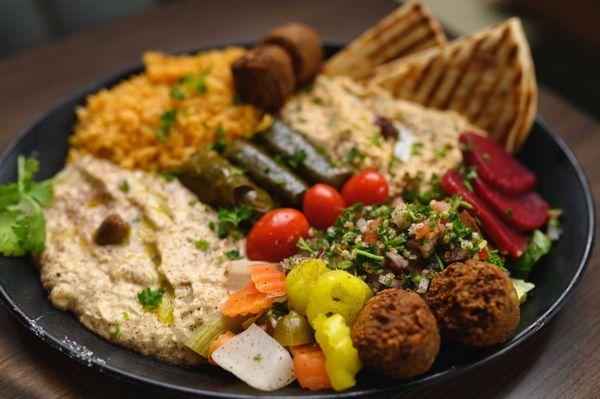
(377, 139)
(509, 212)
(233, 254)
(220, 144)
(117, 332)
(257, 358)
(355, 156)
(416, 148)
(298, 157)
(124, 186)
(150, 298)
(167, 120)
(202, 245)
(168, 175)
(125, 316)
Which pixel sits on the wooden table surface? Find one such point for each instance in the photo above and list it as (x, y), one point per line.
(561, 361)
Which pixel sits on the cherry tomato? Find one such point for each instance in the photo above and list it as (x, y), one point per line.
(322, 205)
(368, 188)
(274, 236)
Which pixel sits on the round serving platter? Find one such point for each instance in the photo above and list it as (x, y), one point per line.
(561, 181)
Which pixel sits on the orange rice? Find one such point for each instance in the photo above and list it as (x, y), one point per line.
(123, 123)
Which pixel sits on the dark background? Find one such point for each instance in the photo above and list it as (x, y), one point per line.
(564, 34)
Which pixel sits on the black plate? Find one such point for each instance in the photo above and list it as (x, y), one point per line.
(561, 181)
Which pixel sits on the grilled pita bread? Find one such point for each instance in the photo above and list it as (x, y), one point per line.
(488, 77)
(409, 29)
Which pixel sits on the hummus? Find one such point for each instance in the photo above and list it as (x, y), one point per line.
(339, 116)
(100, 284)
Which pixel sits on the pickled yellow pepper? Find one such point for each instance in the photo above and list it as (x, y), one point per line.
(341, 357)
(337, 291)
(300, 279)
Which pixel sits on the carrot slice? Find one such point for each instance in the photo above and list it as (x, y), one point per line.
(216, 344)
(247, 301)
(268, 279)
(309, 364)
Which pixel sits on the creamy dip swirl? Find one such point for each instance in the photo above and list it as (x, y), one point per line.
(338, 115)
(100, 284)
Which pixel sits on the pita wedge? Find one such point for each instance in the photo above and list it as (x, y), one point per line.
(409, 29)
(488, 77)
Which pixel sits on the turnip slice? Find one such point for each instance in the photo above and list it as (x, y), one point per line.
(496, 166)
(238, 274)
(257, 359)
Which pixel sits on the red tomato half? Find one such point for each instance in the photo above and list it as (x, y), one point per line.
(274, 236)
(322, 205)
(368, 188)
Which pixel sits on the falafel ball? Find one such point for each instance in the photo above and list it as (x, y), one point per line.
(304, 46)
(264, 76)
(475, 303)
(397, 334)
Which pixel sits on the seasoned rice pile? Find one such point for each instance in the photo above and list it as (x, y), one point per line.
(158, 119)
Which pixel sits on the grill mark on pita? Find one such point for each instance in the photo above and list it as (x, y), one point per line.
(389, 43)
(462, 106)
(462, 73)
(488, 94)
(426, 70)
(420, 42)
(506, 127)
(441, 77)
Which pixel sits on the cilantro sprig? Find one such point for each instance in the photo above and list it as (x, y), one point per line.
(22, 220)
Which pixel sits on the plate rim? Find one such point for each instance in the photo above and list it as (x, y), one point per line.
(438, 377)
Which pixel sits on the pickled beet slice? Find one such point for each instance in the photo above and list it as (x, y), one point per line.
(524, 212)
(507, 240)
(497, 167)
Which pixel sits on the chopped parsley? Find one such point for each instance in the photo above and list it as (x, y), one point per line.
(22, 220)
(377, 139)
(177, 92)
(168, 175)
(416, 148)
(125, 316)
(151, 298)
(355, 156)
(167, 119)
(117, 332)
(509, 212)
(202, 245)
(297, 158)
(279, 160)
(124, 186)
(471, 174)
(233, 221)
(257, 358)
(233, 254)
(220, 144)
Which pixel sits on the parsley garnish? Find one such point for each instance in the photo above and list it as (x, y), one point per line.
(150, 298)
(297, 158)
(233, 254)
(177, 92)
(257, 358)
(220, 145)
(355, 154)
(22, 221)
(168, 175)
(202, 245)
(416, 148)
(117, 333)
(124, 186)
(166, 122)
